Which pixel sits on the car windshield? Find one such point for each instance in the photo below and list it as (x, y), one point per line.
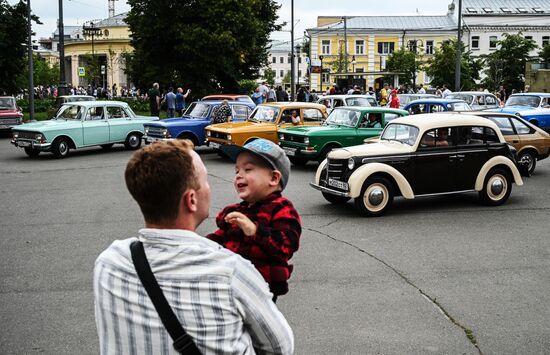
(264, 114)
(69, 112)
(343, 117)
(531, 101)
(357, 101)
(459, 106)
(400, 133)
(464, 97)
(197, 110)
(7, 103)
(405, 99)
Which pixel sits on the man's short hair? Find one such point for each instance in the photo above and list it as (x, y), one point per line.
(158, 175)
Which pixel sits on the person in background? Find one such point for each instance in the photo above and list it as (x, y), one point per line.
(271, 95)
(394, 103)
(257, 96)
(282, 95)
(446, 92)
(180, 100)
(384, 94)
(223, 113)
(421, 89)
(170, 99)
(154, 100)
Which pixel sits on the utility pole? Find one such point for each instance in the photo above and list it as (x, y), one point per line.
(62, 88)
(458, 48)
(31, 68)
(292, 71)
(345, 45)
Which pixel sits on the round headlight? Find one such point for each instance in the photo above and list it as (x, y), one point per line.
(306, 140)
(146, 130)
(39, 137)
(351, 163)
(281, 136)
(15, 134)
(208, 134)
(229, 137)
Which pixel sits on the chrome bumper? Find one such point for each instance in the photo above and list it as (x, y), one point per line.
(329, 191)
(30, 144)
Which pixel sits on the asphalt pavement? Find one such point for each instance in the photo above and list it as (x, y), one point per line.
(438, 275)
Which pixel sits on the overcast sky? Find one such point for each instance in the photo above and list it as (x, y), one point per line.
(75, 12)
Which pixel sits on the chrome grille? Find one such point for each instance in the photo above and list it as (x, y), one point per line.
(156, 131)
(26, 134)
(218, 135)
(293, 138)
(10, 120)
(336, 168)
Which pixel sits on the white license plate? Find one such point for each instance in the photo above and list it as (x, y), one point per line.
(24, 144)
(290, 151)
(214, 145)
(152, 139)
(338, 184)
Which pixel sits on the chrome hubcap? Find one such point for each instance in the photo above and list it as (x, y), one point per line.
(376, 197)
(527, 158)
(133, 141)
(62, 147)
(497, 186)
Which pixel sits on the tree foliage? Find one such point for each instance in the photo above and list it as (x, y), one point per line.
(441, 68)
(544, 54)
(405, 62)
(506, 65)
(44, 73)
(13, 44)
(269, 76)
(338, 63)
(203, 44)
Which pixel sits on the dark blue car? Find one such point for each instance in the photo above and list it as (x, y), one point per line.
(533, 107)
(436, 105)
(191, 125)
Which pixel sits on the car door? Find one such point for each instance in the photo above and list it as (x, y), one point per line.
(119, 123)
(95, 128)
(434, 162)
(363, 131)
(471, 154)
(526, 134)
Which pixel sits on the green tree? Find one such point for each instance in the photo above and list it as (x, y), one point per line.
(405, 62)
(286, 78)
(92, 69)
(544, 54)
(44, 73)
(338, 64)
(13, 44)
(269, 75)
(209, 47)
(506, 65)
(441, 68)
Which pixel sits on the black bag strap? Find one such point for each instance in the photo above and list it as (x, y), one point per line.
(183, 343)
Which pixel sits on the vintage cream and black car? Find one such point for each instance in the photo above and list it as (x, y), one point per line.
(422, 155)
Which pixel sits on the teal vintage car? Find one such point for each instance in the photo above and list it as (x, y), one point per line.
(82, 124)
(344, 127)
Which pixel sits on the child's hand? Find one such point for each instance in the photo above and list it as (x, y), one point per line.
(245, 224)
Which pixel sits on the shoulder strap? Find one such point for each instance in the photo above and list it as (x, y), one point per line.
(183, 343)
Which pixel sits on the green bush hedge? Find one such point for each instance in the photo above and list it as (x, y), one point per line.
(40, 105)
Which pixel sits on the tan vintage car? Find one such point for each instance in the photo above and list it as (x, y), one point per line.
(531, 142)
(264, 122)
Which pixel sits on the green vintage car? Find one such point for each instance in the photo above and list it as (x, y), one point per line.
(82, 124)
(344, 127)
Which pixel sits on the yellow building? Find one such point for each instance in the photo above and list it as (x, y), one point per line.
(369, 40)
(111, 41)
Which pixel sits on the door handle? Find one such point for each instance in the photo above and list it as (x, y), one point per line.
(514, 141)
(452, 157)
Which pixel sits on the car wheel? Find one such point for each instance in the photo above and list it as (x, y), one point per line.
(335, 200)
(189, 137)
(133, 141)
(107, 146)
(60, 148)
(531, 160)
(325, 151)
(496, 188)
(33, 153)
(376, 196)
(298, 161)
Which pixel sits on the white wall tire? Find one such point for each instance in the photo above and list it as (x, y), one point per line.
(376, 197)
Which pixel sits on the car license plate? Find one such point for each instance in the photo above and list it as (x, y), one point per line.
(290, 151)
(338, 184)
(24, 144)
(152, 139)
(214, 145)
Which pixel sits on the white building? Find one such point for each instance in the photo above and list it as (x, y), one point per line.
(279, 61)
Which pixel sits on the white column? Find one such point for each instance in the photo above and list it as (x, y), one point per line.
(370, 61)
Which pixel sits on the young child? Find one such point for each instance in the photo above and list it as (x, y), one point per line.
(264, 228)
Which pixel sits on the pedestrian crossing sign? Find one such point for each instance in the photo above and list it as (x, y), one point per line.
(81, 71)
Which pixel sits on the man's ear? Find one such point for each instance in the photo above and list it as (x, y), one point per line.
(275, 178)
(189, 201)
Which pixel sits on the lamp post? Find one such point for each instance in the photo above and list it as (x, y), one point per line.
(31, 70)
(321, 75)
(292, 88)
(62, 88)
(91, 30)
(298, 48)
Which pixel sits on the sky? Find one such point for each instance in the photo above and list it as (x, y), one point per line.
(75, 12)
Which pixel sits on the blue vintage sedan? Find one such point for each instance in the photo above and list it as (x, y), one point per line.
(533, 107)
(191, 125)
(82, 124)
(430, 105)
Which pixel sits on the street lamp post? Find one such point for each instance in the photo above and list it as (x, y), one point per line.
(298, 48)
(321, 75)
(91, 30)
(292, 88)
(62, 88)
(31, 69)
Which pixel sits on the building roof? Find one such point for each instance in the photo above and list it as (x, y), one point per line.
(505, 7)
(281, 46)
(115, 21)
(444, 22)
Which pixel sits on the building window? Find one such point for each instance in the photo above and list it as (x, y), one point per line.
(289, 59)
(488, 10)
(429, 47)
(299, 73)
(493, 42)
(324, 77)
(475, 42)
(299, 60)
(412, 45)
(274, 60)
(325, 47)
(522, 10)
(282, 73)
(359, 46)
(385, 47)
(545, 40)
(281, 60)
(529, 38)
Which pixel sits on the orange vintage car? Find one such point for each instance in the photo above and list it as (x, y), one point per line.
(264, 122)
(531, 142)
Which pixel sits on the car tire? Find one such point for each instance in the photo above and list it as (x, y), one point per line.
(531, 160)
(376, 196)
(133, 141)
(325, 151)
(60, 148)
(334, 199)
(496, 187)
(107, 146)
(33, 153)
(298, 161)
(189, 137)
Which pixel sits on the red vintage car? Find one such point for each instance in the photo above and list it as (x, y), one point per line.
(10, 113)
(229, 97)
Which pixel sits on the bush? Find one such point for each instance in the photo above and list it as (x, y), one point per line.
(247, 86)
(40, 105)
(136, 105)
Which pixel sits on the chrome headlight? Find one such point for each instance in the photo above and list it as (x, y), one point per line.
(229, 137)
(281, 136)
(146, 130)
(166, 134)
(208, 133)
(39, 137)
(351, 163)
(15, 135)
(306, 140)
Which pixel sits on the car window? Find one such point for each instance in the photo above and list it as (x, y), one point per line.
(490, 100)
(197, 110)
(460, 106)
(503, 124)
(313, 115)
(343, 117)
(7, 103)
(523, 100)
(437, 108)
(470, 136)
(240, 111)
(390, 116)
(521, 128)
(418, 108)
(69, 112)
(264, 114)
(94, 113)
(400, 132)
(116, 112)
(372, 101)
(338, 102)
(357, 101)
(490, 135)
(437, 138)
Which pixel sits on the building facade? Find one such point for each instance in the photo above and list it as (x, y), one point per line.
(279, 59)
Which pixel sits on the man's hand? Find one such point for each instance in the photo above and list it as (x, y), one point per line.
(245, 224)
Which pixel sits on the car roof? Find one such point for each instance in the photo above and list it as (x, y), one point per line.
(218, 102)
(540, 94)
(435, 101)
(66, 96)
(471, 92)
(373, 109)
(96, 103)
(223, 96)
(343, 96)
(288, 104)
(434, 120)
(7, 97)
